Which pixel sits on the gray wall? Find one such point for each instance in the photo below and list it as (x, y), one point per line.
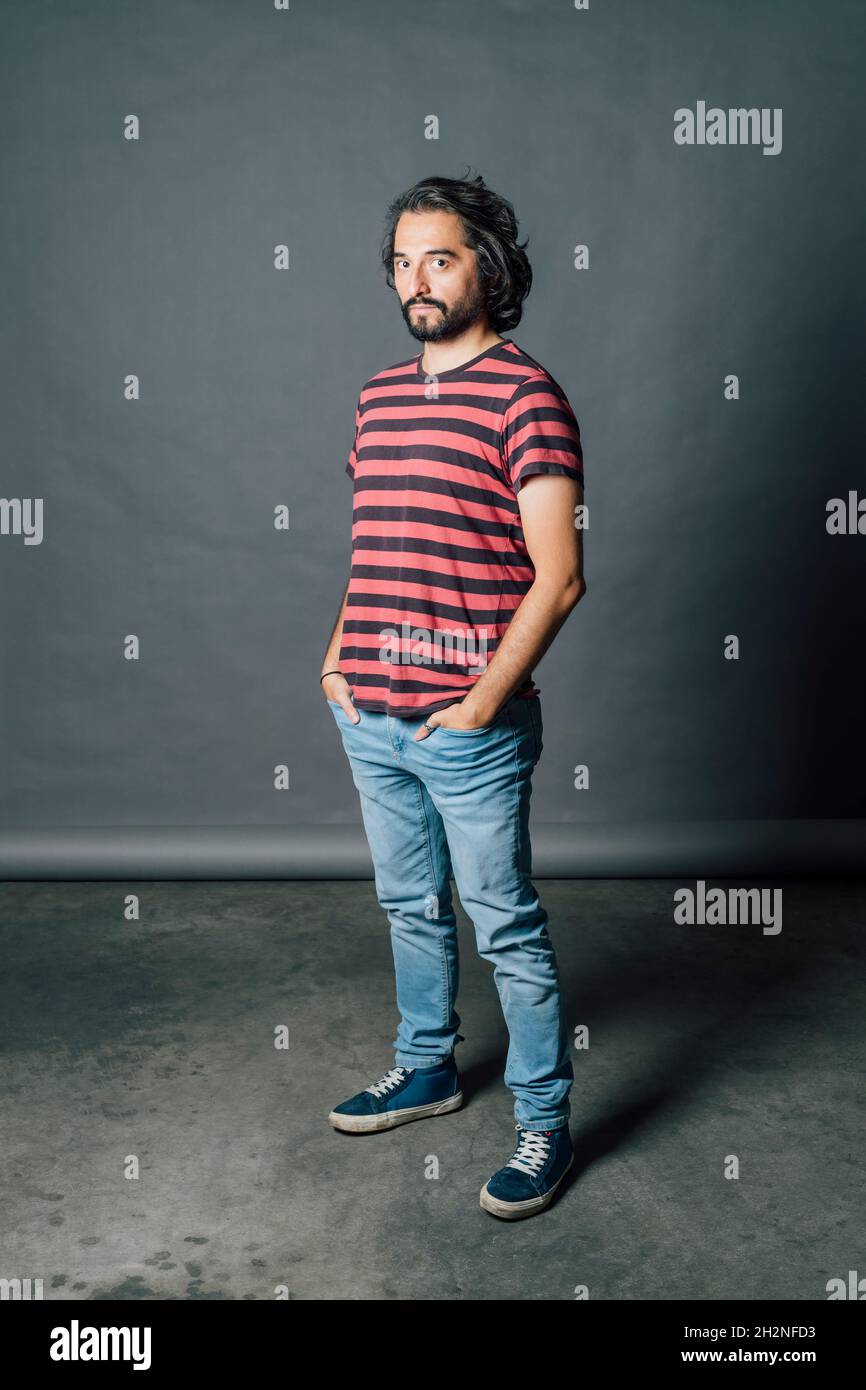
(155, 257)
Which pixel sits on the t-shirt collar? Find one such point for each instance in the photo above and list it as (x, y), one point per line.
(453, 371)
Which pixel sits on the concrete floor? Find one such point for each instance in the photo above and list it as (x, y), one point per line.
(156, 1039)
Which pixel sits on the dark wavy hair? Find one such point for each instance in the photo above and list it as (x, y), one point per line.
(489, 228)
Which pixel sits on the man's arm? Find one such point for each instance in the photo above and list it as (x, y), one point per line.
(547, 503)
(335, 686)
(331, 659)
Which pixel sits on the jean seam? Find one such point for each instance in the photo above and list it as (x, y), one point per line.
(544, 1125)
(516, 790)
(515, 818)
(533, 719)
(443, 955)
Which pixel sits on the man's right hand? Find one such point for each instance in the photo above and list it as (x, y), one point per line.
(337, 688)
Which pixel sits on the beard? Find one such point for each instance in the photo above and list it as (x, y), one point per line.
(444, 322)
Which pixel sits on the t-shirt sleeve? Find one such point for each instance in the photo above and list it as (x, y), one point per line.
(353, 452)
(540, 433)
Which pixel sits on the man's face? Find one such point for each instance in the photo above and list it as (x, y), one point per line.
(433, 267)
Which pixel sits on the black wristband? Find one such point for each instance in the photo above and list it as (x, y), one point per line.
(329, 673)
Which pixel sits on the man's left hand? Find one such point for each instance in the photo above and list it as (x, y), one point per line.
(455, 716)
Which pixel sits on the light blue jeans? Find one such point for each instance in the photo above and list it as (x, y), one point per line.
(457, 802)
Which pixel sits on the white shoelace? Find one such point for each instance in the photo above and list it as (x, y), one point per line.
(532, 1152)
(391, 1079)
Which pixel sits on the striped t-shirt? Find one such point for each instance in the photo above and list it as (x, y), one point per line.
(439, 561)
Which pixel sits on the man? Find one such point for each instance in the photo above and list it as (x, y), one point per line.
(466, 561)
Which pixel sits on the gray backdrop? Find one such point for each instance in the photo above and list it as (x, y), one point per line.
(155, 257)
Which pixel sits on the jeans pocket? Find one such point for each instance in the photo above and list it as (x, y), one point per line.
(535, 722)
(471, 733)
(339, 712)
(464, 733)
(502, 717)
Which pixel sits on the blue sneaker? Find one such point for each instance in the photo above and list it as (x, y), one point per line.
(529, 1179)
(401, 1095)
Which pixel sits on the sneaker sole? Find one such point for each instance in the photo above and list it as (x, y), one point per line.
(513, 1211)
(368, 1124)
